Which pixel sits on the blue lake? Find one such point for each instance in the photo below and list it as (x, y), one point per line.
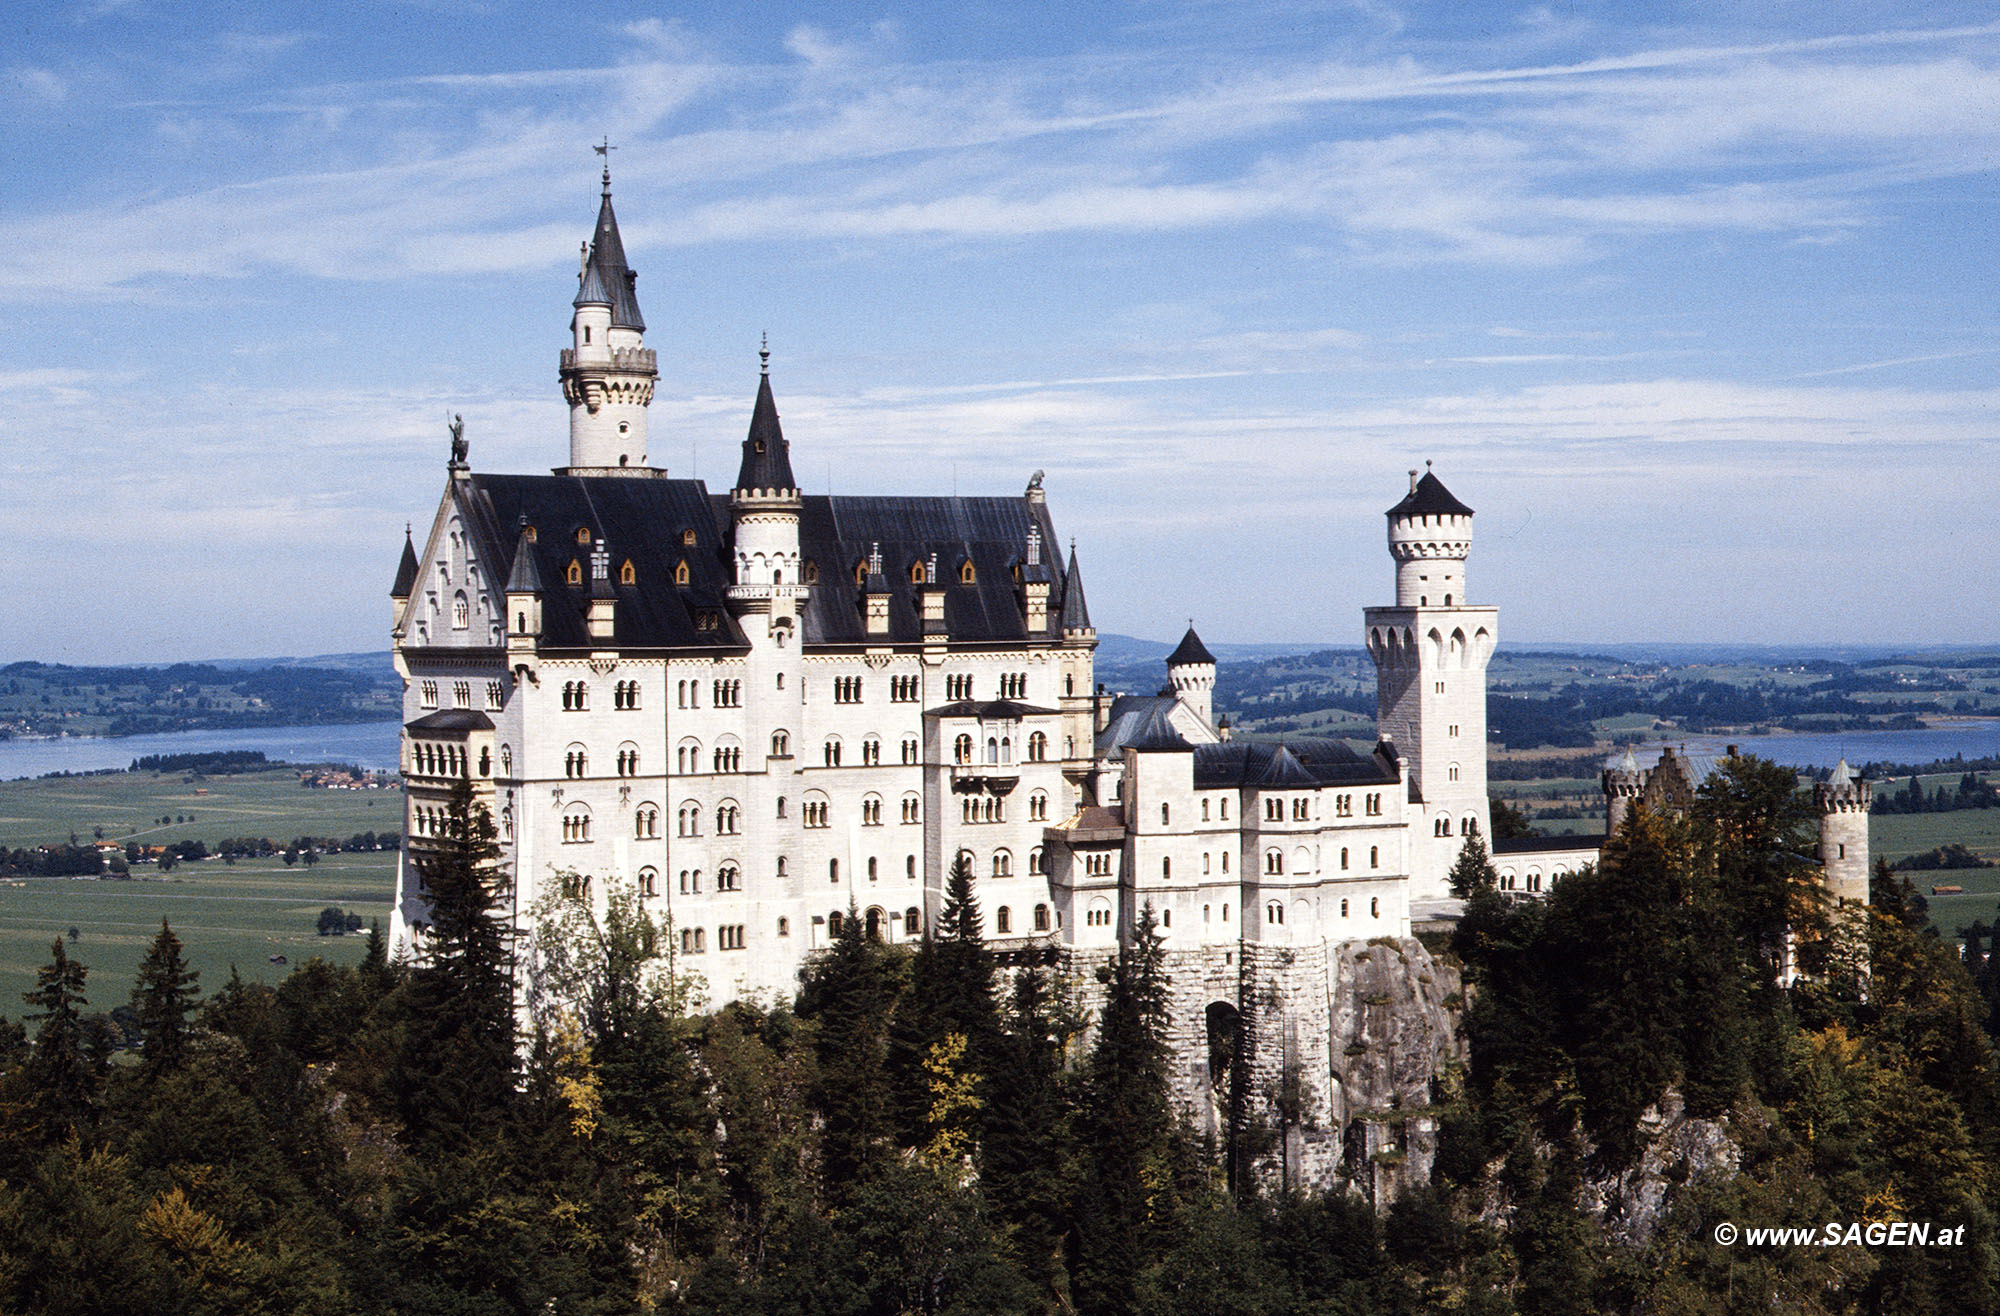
(374, 745)
(369, 744)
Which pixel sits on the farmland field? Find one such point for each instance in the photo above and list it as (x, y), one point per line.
(227, 914)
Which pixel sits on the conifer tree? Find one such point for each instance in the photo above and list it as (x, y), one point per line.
(849, 996)
(163, 996)
(950, 994)
(1128, 1211)
(454, 1079)
(1473, 870)
(1028, 1148)
(66, 1068)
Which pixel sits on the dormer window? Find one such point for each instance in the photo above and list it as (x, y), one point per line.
(758, 446)
(811, 572)
(583, 534)
(916, 573)
(966, 576)
(530, 533)
(627, 575)
(681, 572)
(687, 536)
(575, 573)
(860, 573)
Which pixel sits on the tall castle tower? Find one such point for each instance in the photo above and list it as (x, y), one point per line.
(607, 372)
(1430, 652)
(1843, 800)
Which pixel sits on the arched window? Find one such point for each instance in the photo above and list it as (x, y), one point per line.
(1003, 920)
(645, 822)
(689, 819)
(1374, 856)
(1166, 868)
(961, 749)
(626, 574)
(966, 575)
(574, 575)
(1038, 807)
(728, 878)
(1038, 747)
(913, 922)
(781, 745)
(1164, 815)
(1274, 912)
(832, 751)
(1375, 907)
(1343, 858)
(681, 572)
(1041, 918)
(649, 882)
(1274, 861)
(461, 612)
(1343, 909)
(992, 750)
(1003, 864)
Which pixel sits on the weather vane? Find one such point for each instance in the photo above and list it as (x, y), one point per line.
(605, 148)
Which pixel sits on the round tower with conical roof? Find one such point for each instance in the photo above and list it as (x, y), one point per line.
(1430, 652)
(1623, 780)
(1191, 676)
(1843, 800)
(607, 372)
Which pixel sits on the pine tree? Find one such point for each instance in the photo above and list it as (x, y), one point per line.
(455, 1078)
(1028, 1147)
(950, 994)
(1473, 870)
(849, 995)
(66, 1068)
(162, 996)
(1129, 1133)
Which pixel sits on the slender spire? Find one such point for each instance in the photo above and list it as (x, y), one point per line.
(406, 572)
(767, 459)
(616, 281)
(1075, 614)
(525, 577)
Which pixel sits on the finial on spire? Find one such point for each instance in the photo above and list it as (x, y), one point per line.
(605, 148)
(764, 352)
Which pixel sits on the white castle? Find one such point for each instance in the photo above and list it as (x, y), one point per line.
(762, 709)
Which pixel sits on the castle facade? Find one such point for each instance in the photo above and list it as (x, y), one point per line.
(764, 711)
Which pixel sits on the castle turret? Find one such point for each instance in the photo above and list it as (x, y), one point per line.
(1623, 781)
(1843, 800)
(524, 600)
(406, 580)
(1191, 675)
(607, 372)
(1430, 652)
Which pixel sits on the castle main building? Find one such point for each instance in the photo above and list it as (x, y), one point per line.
(760, 709)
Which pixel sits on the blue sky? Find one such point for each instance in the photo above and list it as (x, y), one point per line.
(1697, 304)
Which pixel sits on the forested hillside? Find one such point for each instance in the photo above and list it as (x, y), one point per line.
(928, 1132)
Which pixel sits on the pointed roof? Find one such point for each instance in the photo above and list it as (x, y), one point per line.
(767, 458)
(606, 277)
(1075, 615)
(1156, 731)
(1429, 497)
(526, 577)
(1191, 651)
(1843, 775)
(406, 571)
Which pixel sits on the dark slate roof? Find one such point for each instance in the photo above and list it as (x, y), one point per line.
(1075, 614)
(1304, 762)
(990, 710)
(406, 571)
(767, 458)
(1430, 498)
(607, 261)
(1155, 731)
(453, 719)
(524, 577)
(836, 533)
(639, 520)
(1128, 718)
(1545, 844)
(1191, 651)
(590, 289)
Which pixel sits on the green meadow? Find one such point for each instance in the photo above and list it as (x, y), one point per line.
(237, 914)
